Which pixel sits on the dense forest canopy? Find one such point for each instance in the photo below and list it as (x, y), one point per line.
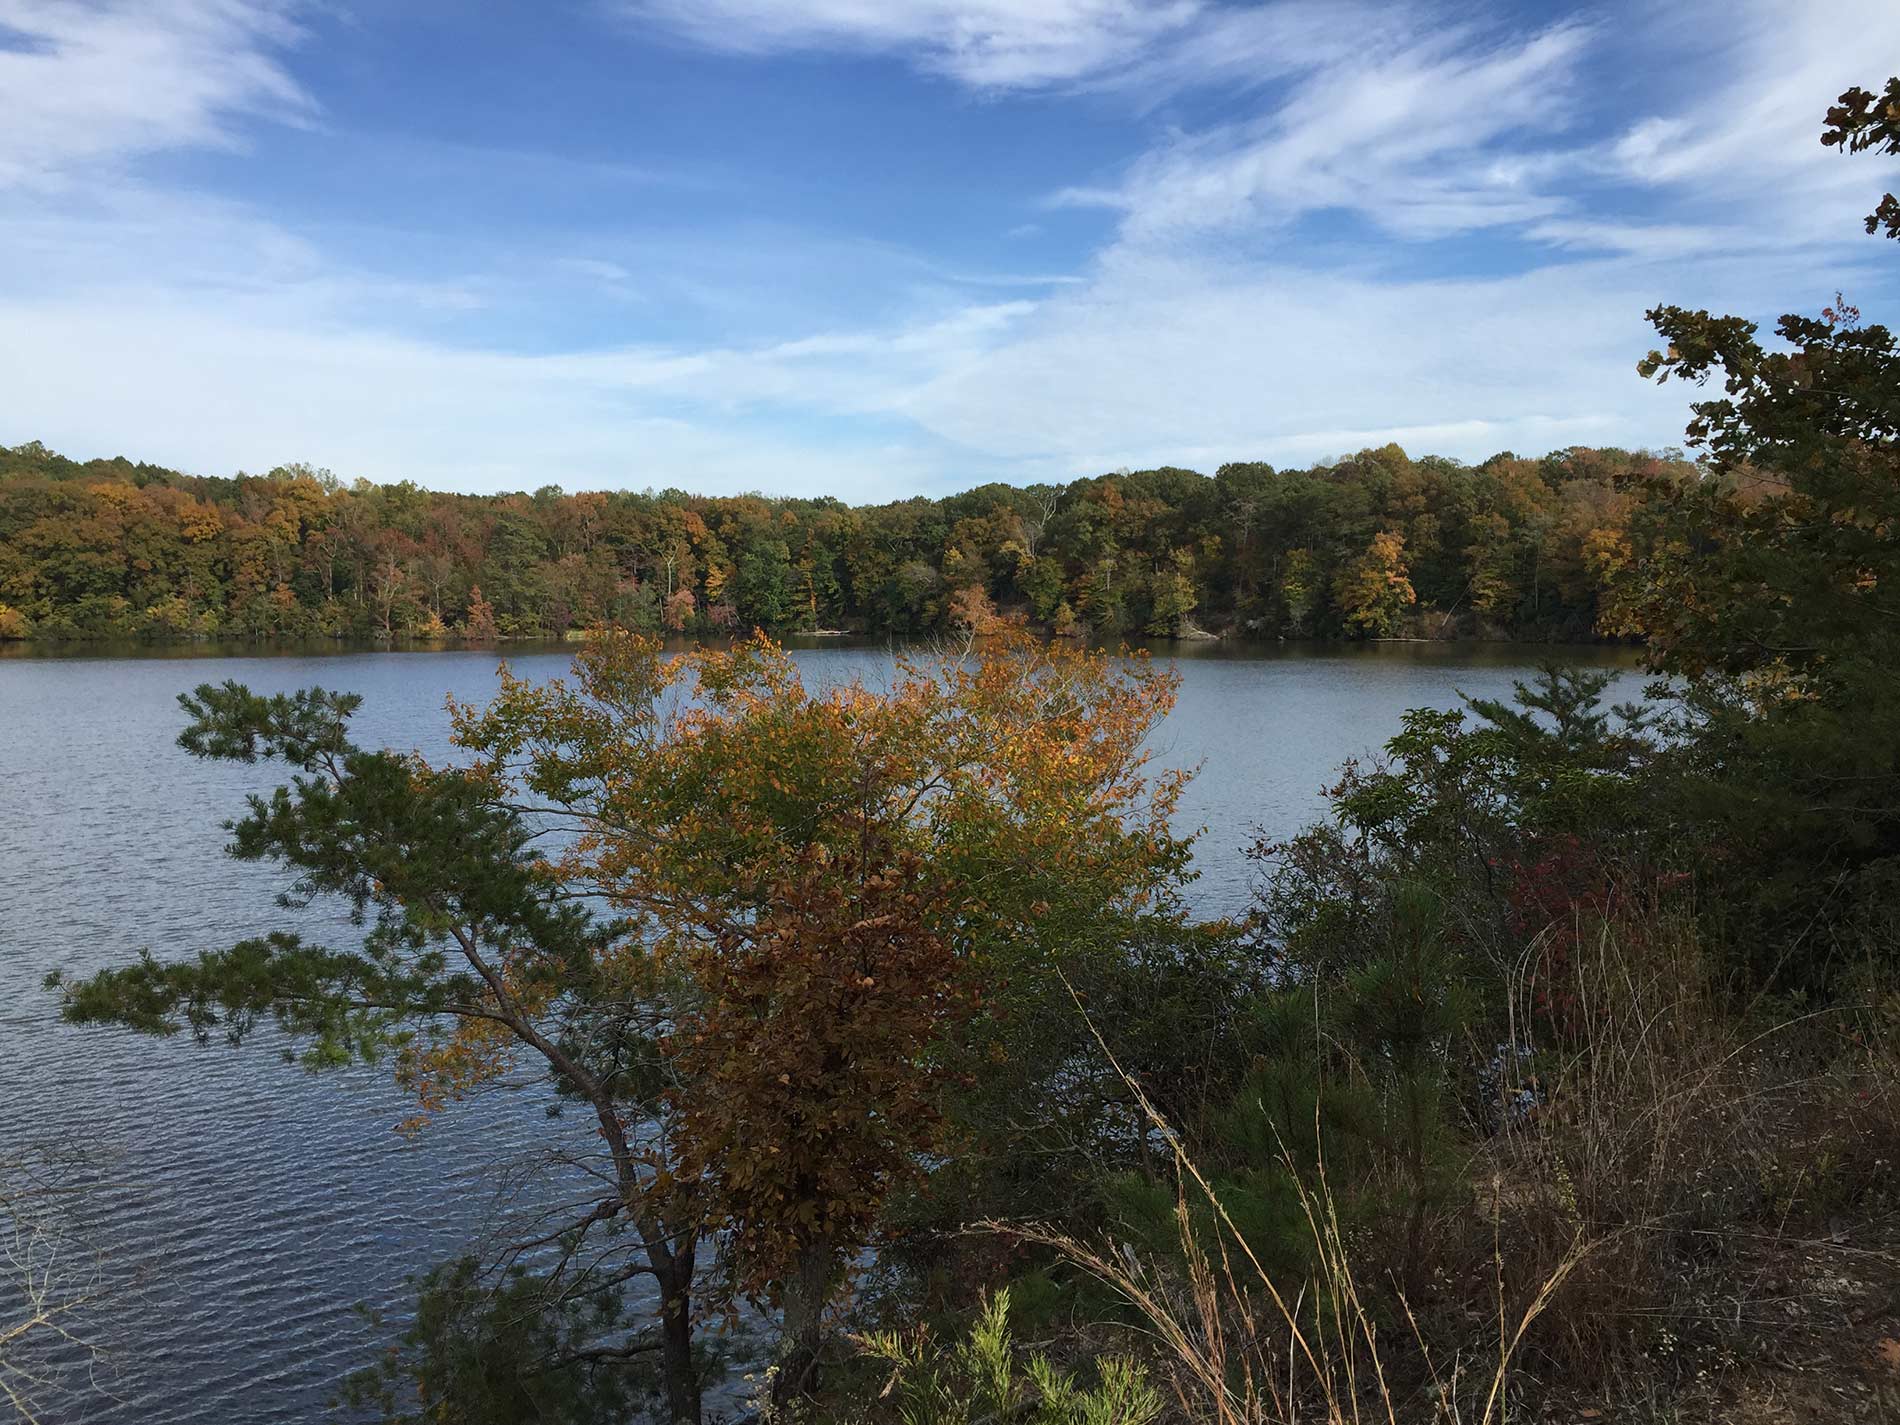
(1375, 545)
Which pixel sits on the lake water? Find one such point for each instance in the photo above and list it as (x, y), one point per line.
(244, 1207)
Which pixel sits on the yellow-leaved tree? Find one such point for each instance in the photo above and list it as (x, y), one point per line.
(1376, 588)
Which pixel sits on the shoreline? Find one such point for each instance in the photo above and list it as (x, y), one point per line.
(1221, 648)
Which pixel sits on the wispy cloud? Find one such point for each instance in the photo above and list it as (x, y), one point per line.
(1422, 133)
(597, 274)
(987, 44)
(1163, 358)
(1146, 50)
(82, 82)
(214, 391)
(1645, 240)
(1250, 46)
(268, 373)
(1746, 133)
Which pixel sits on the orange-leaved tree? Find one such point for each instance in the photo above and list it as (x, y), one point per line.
(836, 883)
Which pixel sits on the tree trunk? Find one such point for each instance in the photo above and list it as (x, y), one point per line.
(806, 1295)
(680, 1374)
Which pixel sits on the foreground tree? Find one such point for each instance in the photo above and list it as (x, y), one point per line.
(474, 959)
(1770, 586)
(1862, 121)
(840, 884)
(810, 900)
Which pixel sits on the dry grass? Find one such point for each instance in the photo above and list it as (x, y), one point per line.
(1645, 1237)
(1243, 1348)
(1701, 1146)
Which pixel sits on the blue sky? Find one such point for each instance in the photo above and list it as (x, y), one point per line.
(875, 248)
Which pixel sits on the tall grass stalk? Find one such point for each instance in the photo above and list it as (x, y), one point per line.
(1227, 1361)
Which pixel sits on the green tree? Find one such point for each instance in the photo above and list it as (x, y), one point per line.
(1768, 587)
(1173, 596)
(762, 586)
(475, 957)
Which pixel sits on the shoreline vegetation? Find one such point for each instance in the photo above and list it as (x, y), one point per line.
(1211, 644)
(1375, 545)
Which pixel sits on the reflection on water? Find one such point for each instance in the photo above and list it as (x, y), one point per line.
(250, 1204)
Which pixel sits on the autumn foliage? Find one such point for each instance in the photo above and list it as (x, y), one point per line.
(113, 549)
(832, 878)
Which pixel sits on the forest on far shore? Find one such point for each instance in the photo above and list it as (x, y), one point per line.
(1375, 545)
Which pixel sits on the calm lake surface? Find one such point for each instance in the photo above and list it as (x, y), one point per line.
(246, 1206)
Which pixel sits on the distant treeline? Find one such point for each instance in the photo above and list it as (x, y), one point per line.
(1375, 545)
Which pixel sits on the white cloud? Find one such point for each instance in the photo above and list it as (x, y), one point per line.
(987, 44)
(1168, 361)
(84, 81)
(1751, 139)
(1407, 130)
(212, 392)
(598, 269)
(1156, 361)
(1639, 239)
(255, 373)
(1779, 66)
(598, 275)
(1249, 46)
(1146, 50)
(125, 238)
